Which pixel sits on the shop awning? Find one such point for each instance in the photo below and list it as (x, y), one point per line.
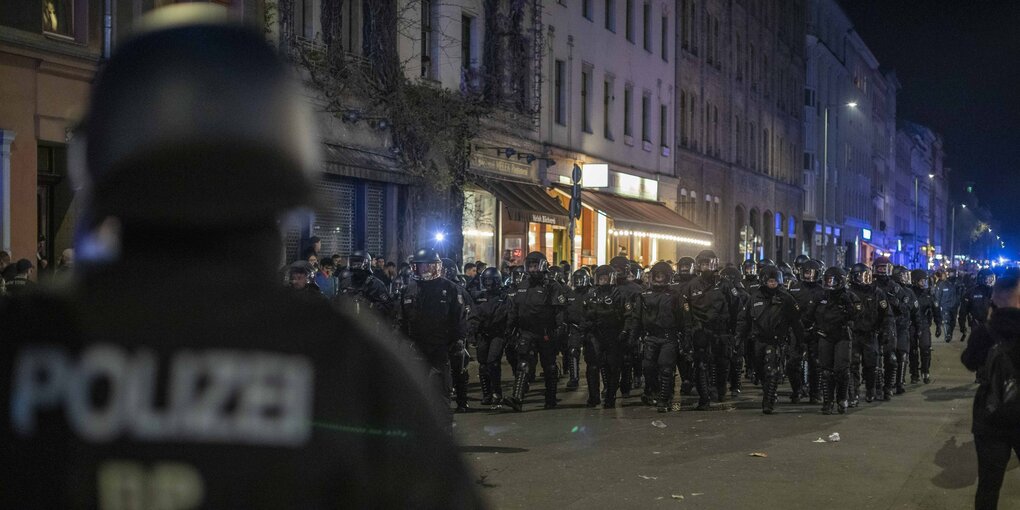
(361, 164)
(630, 214)
(526, 202)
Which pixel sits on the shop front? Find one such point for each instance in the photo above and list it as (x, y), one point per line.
(505, 220)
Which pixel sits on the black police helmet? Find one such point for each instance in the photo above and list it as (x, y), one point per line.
(707, 261)
(986, 277)
(426, 265)
(799, 261)
(194, 123)
(901, 274)
(536, 263)
(605, 275)
(770, 273)
(834, 279)
(581, 278)
(730, 273)
(860, 274)
(661, 274)
(685, 265)
(749, 268)
(360, 260)
(919, 277)
(883, 267)
(811, 272)
(491, 279)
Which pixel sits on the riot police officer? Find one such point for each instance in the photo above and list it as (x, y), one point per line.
(807, 290)
(657, 323)
(976, 301)
(769, 316)
(902, 276)
(190, 384)
(874, 330)
(630, 288)
(901, 301)
(487, 329)
(708, 303)
(741, 360)
(459, 356)
(789, 276)
(536, 311)
(360, 291)
(607, 323)
(947, 295)
(833, 317)
(928, 311)
(685, 272)
(431, 315)
(574, 317)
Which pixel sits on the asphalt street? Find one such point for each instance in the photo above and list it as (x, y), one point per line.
(915, 452)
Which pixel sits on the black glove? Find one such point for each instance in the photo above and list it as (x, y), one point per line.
(938, 329)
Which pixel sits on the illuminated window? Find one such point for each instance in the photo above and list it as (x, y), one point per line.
(58, 17)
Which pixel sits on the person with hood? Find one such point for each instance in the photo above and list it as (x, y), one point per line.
(204, 383)
(995, 438)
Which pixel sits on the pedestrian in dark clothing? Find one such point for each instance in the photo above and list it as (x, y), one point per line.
(994, 441)
(21, 281)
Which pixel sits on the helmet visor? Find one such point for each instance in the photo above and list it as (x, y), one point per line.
(427, 270)
(883, 269)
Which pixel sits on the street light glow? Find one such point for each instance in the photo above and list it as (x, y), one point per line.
(931, 176)
(440, 236)
(852, 104)
(963, 205)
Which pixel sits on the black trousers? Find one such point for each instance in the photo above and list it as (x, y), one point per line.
(660, 355)
(531, 346)
(993, 452)
(490, 354)
(611, 352)
(920, 351)
(437, 360)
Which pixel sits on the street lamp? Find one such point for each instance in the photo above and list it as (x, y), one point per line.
(825, 176)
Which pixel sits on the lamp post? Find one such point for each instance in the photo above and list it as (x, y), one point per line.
(825, 178)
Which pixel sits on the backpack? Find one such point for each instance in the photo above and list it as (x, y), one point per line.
(1000, 386)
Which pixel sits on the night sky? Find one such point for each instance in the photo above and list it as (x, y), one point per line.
(959, 64)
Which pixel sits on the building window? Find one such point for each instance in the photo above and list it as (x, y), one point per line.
(629, 20)
(683, 118)
(628, 109)
(765, 151)
(560, 94)
(709, 42)
(736, 139)
(685, 24)
(646, 13)
(586, 10)
(663, 126)
(690, 120)
(715, 130)
(739, 64)
(646, 118)
(586, 99)
(467, 24)
(611, 15)
(58, 17)
(427, 65)
(665, 39)
(351, 29)
(304, 18)
(607, 108)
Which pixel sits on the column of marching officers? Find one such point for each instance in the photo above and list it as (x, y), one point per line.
(827, 332)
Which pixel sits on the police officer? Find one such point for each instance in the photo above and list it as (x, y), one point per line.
(874, 330)
(627, 279)
(536, 311)
(360, 291)
(732, 275)
(607, 323)
(708, 303)
(928, 311)
(657, 322)
(192, 384)
(832, 318)
(902, 276)
(807, 290)
(487, 329)
(901, 301)
(789, 276)
(574, 317)
(516, 280)
(685, 272)
(459, 356)
(976, 302)
(769, 316)
(947, 293)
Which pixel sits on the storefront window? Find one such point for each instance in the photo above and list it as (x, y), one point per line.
(480, 215)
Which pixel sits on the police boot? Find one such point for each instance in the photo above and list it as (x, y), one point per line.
(639, 379)
(665, 392)
(486, 384)
(889, 382)
(626, 381)
(718, 379)
(869, 384)
(516, 399)
(609, 396)
(701, 383)
(591, 375)
(828, 392)
(901, 368)
(855, 387)
(574, 371)
(815, 390)
(842, 389)
(915, 375)
(768, 390)
(551, 380)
